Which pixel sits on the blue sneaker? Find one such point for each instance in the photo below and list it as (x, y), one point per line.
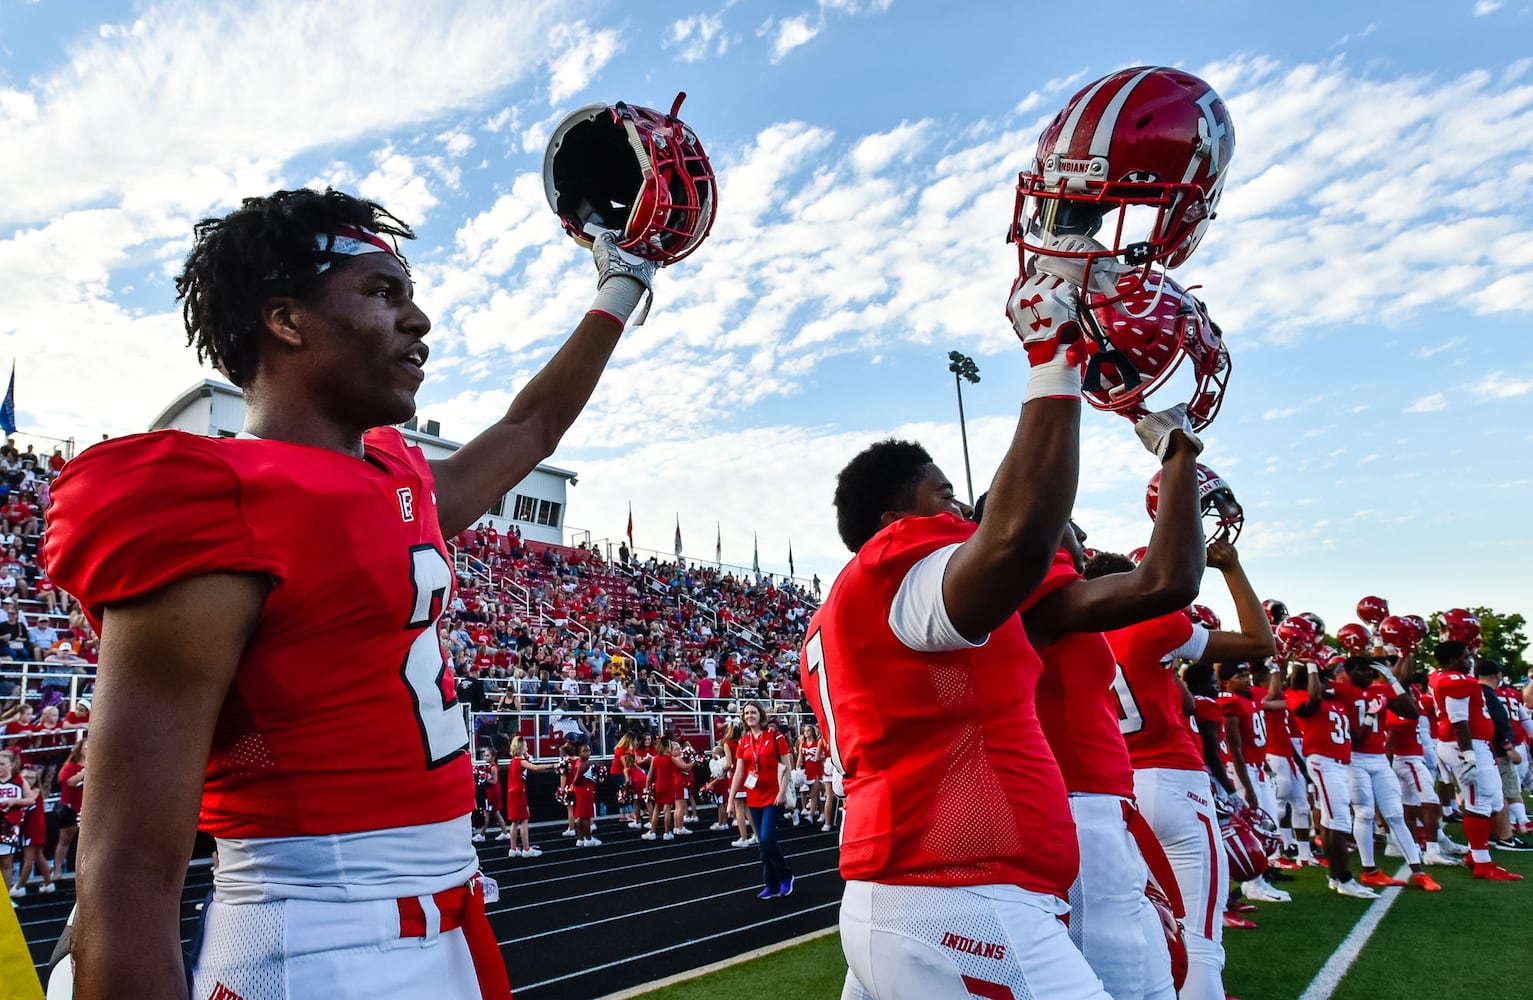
(787, 887)
(765, 894)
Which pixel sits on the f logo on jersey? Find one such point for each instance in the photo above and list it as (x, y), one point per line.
(406, 504)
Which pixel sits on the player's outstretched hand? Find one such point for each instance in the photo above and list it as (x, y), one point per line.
(622, 279)
(1222, 555)
(1045, 312)
(1157, 432)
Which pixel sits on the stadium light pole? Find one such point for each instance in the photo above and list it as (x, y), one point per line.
(963, 367)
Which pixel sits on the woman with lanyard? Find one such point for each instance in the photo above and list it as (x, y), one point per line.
(762, 771)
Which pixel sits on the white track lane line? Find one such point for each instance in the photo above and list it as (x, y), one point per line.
(653, 909)
(1335, 969)
(684, 944)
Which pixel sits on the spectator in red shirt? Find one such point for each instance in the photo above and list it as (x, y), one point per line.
(762, 772)
(67, 812)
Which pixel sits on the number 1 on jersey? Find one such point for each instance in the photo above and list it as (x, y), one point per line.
(814, 652)
(425, 671)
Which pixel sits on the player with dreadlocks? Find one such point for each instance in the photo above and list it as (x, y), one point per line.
(271, 602)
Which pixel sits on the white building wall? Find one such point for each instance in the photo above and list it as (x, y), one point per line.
(216, 409)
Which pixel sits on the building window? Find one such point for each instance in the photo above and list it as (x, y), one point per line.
(526, 507)
(548, 513)
(499, 509)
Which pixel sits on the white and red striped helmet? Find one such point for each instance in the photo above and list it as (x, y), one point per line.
(1149, 135)
(639, 172)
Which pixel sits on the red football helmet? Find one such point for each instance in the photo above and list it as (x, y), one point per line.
(1354, 638)
(1276, 611)
(634, 170)
(1396, 631)
(1175, 942)
(1149, 136)
(1151, 326)
(1418, 625)
(1372, 610)
(1296, 638)
(1088, 554)
(1215, 499)
(1203, 616)
(1316, 621)
(1460, 625)
(1137, 555)
(1244, 846)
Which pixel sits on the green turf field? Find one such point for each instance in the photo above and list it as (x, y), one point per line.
(1421, 945)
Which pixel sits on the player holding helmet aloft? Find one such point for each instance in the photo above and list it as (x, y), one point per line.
(1464, 732)
(1374, 786)
(313, 721)
(1111, 919)
(1171, 783)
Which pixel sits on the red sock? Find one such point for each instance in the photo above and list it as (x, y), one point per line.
(1477, 831)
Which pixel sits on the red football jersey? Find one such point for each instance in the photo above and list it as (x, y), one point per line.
(344, 695)
(1150, 707)
(1404, 735)
(931, 742)
(1076, 702)
(1515, 711)
(1328, 732)
(1253, 728)
(1367, 718)
(1450, 684)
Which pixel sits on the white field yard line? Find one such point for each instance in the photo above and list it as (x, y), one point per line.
(1331, 973)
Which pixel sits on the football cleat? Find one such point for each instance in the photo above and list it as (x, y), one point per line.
(1352, 888)
(1433, 855)
(1378, 879)
(1495, 873)
(1425, 882)
(1234, 921)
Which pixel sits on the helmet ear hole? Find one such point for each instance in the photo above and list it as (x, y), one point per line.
(595, 174)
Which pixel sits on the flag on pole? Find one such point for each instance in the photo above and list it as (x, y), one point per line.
(790, 559)
(630, 524)
(8, 408)
(678, 538)
(755, 554)
(718, 544)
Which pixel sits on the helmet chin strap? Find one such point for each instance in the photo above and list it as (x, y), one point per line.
(1160, 288)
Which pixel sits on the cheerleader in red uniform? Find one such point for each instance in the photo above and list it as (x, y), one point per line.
(487, 790)
(583, 783)
(812, 751)
(516, 798)
(34, 834)
(742, 816)
(664, 778)
(13, 800)
(626, 767)
(719, 766)
(565, 793)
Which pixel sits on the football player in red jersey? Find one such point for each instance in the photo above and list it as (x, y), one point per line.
(1172, 784)
(1245, 727)
(1418, 794)
(1463, 745)
(1324, 712)
(957, 848)
(1111, 920)
(276, 614)
(1374, 788)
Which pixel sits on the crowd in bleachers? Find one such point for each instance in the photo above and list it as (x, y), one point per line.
(48, 655)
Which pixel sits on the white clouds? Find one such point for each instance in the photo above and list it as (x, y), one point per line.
(789, 33)
(1499, 385)
(1434, 403)
(696, 38)
(581, 54)
(1276, 414)
(1483, 7)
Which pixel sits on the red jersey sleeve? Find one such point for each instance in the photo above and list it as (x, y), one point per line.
(1158, 636)
(1208, 710)
(176, 511)
(1061, 572)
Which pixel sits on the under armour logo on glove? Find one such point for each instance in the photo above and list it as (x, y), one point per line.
(1044, 313)
(1040, 321)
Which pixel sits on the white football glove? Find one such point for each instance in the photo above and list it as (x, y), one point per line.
(1468, 769)
(622, 279)
(1105, 271)
(1043, 310)
(1155, 429)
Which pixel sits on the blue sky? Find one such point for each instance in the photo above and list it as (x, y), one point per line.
(1372, 265)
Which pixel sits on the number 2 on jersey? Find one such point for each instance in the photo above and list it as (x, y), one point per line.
(425, 672)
